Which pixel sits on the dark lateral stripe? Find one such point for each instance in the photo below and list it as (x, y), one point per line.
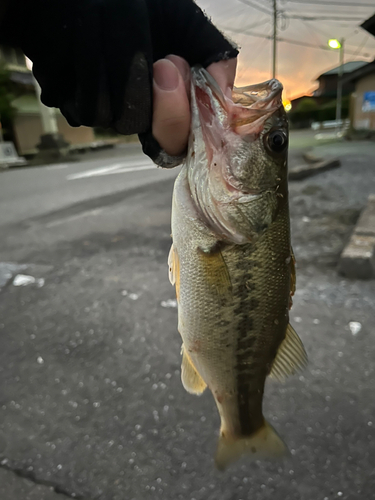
(248, 420)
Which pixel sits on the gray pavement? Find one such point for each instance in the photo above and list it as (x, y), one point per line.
(91, 403)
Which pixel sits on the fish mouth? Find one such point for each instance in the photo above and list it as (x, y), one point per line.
(253, 105)
(247, 111)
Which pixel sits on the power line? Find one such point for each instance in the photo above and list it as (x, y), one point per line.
(353, 33)
(245, 28)
(362, 46)
(330, 2)
(281, 39)
(326, 18)
(243, 31)
(260, 46)
(313, 30)
(320, 31)
(313, 34)
(342, 24)
(256, 6)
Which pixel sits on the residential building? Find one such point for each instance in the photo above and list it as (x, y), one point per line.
(363, 98)
(27, 124)
(328, 81)
(362, 79)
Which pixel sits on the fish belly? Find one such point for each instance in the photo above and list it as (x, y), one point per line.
(233, 309)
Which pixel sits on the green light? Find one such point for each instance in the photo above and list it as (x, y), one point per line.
(334, 44)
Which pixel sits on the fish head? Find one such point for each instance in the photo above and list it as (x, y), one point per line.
(257, 134)
(242, 141)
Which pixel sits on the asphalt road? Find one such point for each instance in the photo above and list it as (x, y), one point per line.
(91, 403)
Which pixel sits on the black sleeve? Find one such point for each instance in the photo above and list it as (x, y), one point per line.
(93, 58)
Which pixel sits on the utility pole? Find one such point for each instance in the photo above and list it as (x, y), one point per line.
(339, 85)
(274, 39)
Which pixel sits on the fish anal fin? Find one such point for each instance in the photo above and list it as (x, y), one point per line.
(191, 380)
(291, 356)
(174, 269)
(265, 443)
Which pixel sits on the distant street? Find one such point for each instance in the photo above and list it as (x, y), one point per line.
(91, 402)
(51, 188)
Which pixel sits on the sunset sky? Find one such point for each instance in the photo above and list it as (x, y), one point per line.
(297, 66)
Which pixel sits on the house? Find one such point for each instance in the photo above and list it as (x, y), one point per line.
(363, 98)
(328, 81)
(327, 90)
(27, 124)
(362, 79)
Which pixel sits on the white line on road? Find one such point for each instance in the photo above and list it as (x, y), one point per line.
(72, 218)
(117, 168)
(94, 172)
(133, 169)
(58, 167)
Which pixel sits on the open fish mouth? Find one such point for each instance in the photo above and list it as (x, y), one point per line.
(249, 108)
(253, 104)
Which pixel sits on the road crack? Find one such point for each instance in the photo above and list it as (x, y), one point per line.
(30, 476)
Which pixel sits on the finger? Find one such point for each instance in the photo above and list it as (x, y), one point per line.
(183, 67)
(171, 114)
(224, 73)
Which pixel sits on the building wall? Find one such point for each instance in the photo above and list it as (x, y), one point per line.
(75, 135)
(328, 85)
(361, 119)
(13, 58)
(28, 129)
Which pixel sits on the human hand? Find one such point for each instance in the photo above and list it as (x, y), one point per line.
(171, 113)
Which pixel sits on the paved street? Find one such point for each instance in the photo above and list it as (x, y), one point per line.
(91, 403)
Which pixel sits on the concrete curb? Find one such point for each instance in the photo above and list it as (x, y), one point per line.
(303, 171)
(357, 261)
(311, 158)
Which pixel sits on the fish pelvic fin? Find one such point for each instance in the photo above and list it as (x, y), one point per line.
(191, 380)
(174, 269)
(290, 358)
(265, 443)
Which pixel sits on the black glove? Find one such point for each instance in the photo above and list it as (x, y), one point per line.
(93, 58)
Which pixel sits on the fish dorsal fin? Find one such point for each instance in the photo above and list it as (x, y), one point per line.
(291, 356)
(174, 269)
(191, 380)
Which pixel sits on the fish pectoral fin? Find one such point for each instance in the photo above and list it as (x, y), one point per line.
(191, 380)
(291, 356)
(215, 270)
(265, 443)
(174, 269)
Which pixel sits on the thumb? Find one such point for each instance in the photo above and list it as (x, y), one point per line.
(171, 113)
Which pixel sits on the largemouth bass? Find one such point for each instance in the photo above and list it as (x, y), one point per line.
(231, 260)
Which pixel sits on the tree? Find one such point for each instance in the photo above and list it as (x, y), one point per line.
(304, 113)
(306, 105)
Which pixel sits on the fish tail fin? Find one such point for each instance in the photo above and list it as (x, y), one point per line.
(265, 443)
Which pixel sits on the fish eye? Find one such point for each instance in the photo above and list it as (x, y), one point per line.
(277, 141)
